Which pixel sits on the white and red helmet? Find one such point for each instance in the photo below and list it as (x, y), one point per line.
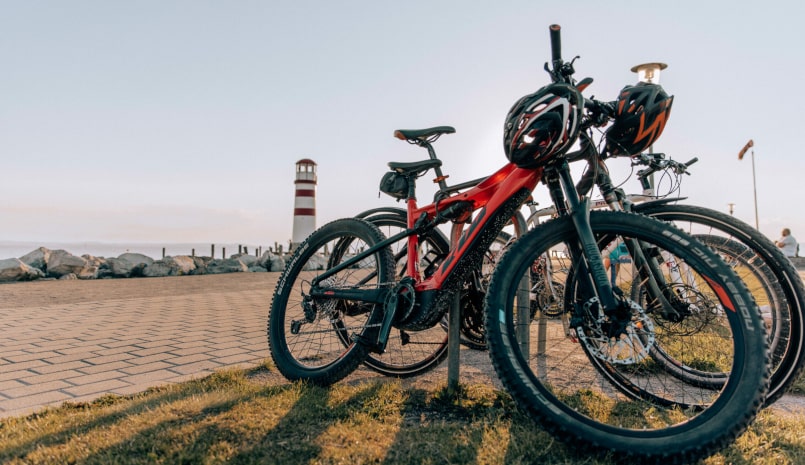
(542, 126)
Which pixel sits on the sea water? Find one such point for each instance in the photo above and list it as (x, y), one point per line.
(16, 249)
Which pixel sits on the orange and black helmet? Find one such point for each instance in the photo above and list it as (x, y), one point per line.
(641, 112)
(542, 126)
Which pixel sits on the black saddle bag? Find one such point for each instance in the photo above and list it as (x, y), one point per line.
(395, 185)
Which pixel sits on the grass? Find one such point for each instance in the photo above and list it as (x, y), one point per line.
(236, 417)
(798, 386)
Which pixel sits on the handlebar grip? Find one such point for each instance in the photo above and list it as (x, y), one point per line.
(556, 43)
(691, 161)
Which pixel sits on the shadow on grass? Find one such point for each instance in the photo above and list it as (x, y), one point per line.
(231, 418)
(216, 434)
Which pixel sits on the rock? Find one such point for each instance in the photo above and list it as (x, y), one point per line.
(92, 268)
(272, 262)
(104, 272)
(315, 262)
(227, 265)
(128, 265)
(161, 268)
(44, 263)
(170, 266)
(13, 269)
(37, 258)
(201, 264)
(62, 262)
(185, 264)
(248, 260)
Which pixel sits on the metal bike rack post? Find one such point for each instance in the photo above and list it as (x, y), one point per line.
(454, 314)
(454, 327)
(523, 295)
(453, 344)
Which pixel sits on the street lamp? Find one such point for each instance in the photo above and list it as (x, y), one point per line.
(649, 73)
(732, 207)
(741, 154)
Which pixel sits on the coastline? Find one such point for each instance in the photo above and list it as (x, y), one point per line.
(17, 249)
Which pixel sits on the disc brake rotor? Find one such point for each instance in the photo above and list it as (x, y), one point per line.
(623, 340)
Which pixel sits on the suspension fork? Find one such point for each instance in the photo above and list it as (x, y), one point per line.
(585, 253)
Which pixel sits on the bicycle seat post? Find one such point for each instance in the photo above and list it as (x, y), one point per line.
(438, 170)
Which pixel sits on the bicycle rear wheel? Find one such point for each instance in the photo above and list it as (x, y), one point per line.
(306, 335)
(590, 379)
(410, 353)
(770, 277)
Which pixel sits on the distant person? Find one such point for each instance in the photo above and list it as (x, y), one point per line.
(613, 257)
(787, 243)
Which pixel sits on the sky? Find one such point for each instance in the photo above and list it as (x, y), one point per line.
(181, 121)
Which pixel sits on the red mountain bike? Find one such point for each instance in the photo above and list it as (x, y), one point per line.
(340, 297)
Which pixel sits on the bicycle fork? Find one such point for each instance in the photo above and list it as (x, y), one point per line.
(585, 252)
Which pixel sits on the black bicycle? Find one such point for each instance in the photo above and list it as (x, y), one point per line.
(340, 298)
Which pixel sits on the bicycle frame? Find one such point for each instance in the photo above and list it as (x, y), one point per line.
(498, 195)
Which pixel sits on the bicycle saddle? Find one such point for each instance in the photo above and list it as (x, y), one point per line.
(418, 134)
(414, 167)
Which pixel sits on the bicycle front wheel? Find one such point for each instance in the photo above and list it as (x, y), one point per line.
(589, 377)
(312, 339)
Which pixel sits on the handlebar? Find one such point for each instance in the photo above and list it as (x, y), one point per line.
(657, 162)
(560, 71)
(556, 46)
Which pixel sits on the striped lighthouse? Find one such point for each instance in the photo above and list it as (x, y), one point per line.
(304, 206)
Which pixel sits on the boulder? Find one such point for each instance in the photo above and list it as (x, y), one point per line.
(92, 268)
(264, 260)
(248, 260)
(272, 262)
(186, 265)
(170, 266)
(13, 269)
(37, 258)
(128, 265)
(316, 262)
(62, 262)
(160, 268)
(227, 265)
(200, 264)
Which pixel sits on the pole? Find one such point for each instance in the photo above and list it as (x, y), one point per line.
(754, 187)
(741, 154)
(651, 176)
(454, 327)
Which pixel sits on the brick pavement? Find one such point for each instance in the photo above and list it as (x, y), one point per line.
(78, 340)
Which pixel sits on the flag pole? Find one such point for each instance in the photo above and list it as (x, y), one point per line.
(741, 154)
